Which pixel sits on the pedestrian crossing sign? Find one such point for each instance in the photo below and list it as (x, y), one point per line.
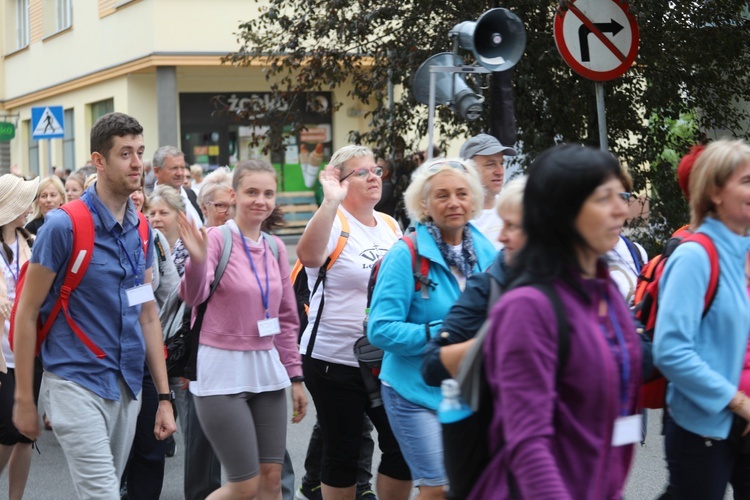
(47, 122)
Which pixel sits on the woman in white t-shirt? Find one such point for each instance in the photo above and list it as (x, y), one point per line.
(16, 197)
(352, 186)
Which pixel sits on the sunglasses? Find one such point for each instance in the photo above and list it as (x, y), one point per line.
(364, 172)
(437, 166)
(624, 196)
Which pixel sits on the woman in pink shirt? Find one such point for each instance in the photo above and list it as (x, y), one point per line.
(247, 352)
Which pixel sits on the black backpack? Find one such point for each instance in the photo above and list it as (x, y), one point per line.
(466, 449)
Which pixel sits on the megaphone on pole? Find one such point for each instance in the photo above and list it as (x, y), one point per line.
(497, 38)
(450, 88)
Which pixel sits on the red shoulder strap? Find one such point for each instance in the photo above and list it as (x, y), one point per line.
(80, 257)
(421, 270)
(143, 231)
(713, 257)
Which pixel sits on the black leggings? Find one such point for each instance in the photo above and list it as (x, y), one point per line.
(341, 401)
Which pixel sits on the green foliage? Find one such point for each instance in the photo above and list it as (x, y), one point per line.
(690, 75)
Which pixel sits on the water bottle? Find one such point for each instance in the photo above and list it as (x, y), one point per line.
(364, 321)
(452, 408)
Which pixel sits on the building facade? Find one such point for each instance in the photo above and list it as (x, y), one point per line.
(159, 61)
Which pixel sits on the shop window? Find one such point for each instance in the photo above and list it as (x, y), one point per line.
(69, 142)
(101, 108)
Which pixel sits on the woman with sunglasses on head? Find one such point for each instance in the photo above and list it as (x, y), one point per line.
(564, 378)
(352, 187)
(444, 195)
(700, 344)
(215, 197)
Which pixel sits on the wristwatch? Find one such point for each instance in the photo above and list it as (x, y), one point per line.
(167, 397)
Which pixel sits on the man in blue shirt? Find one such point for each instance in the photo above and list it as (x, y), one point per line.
(93, 402)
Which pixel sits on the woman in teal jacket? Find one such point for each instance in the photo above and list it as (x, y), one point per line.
(443, 197)
(702, 355)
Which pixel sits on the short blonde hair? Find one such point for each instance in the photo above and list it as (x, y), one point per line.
(43, 184)
(168, 195)
(511, 197)
(219, 179)
(712, 170)
(196, 171)
(346, 153)
(416, 194)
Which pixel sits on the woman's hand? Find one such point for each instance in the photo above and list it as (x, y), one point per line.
(333, 189)
(5, 307)
(299, 402)
(194, 239)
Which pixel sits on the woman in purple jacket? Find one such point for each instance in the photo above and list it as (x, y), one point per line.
(564, 434)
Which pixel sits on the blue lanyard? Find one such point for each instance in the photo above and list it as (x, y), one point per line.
(263, 295)
(133, 266)
(624, 357)
(15, 275)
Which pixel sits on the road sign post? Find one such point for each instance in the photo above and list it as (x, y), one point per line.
(598, 39)
(48, 122)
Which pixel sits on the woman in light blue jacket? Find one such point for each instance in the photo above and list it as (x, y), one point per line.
(701, 353)
(443, 197)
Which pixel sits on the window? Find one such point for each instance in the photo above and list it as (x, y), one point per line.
(33, 150)
(101, 108)
(69, 142)
(22, 23)
(63, 14)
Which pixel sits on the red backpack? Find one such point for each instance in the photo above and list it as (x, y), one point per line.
(83, 248)
(653, 391)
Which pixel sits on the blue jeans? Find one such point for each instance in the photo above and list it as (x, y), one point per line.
(419, 436)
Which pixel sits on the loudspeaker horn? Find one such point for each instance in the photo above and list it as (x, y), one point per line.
(450, 88)
(497, 38)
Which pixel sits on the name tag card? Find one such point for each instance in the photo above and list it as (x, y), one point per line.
(139, 294)
(268, 327)
(627, 430)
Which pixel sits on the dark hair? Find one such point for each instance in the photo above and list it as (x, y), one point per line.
(559, 181)
(109, 126)
(19, 230)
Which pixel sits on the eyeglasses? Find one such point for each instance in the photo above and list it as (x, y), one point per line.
(625, 196)
(364, 172)
(222, 208)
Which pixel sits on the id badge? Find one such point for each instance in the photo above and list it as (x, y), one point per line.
(139, 294)
(628, 430)
(268, 327)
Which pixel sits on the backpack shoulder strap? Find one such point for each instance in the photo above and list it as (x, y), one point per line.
(226, 251)
(634, 253)
(713, 258)
(390, 221)
(83, 247)
(420, 266)
(563, 327)
(341, 243)
(143, 231)
(272, 244)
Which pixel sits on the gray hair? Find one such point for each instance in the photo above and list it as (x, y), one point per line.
(347, 153)
(511, 197)
(168, 195)
(164, 152)
(416, 194)
(219, 179)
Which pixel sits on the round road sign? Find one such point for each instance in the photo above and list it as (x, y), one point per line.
(597, 38)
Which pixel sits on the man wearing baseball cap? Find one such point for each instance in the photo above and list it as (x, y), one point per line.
(488, 154)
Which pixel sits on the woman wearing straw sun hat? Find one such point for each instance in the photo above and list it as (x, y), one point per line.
(16, 197)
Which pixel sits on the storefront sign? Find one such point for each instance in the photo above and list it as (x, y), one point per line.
(7, 131)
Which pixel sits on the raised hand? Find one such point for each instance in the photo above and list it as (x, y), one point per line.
(333, 189)
(194, 239)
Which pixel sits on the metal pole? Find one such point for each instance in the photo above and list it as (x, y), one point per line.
(431, 114)
(49, 157)
(391, 110)
(602, 116)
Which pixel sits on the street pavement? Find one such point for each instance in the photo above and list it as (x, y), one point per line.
(50, 480)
